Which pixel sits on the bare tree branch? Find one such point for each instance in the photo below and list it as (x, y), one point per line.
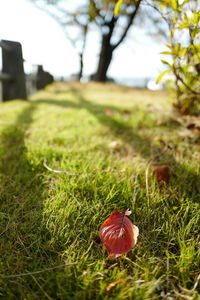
(130, 22)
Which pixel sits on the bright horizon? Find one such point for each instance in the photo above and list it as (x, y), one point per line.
(44, 42)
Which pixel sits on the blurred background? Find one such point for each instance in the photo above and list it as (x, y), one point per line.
(59, 34)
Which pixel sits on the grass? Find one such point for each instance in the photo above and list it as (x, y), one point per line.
(48, 219)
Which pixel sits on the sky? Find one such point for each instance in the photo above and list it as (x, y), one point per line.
(44, 42)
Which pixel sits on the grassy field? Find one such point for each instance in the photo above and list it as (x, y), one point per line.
(49, 221)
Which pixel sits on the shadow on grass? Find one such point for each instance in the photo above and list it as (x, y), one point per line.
(186, 181)
(186, 184)
(142, 144)
(23, 189)
(184, 188)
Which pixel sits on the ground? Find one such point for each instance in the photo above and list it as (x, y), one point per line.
(104, 140)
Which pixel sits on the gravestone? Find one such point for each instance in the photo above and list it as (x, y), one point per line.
(12, 65)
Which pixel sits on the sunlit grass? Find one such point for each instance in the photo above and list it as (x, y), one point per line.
(48, 219)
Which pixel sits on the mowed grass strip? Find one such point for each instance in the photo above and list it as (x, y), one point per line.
(49, 218)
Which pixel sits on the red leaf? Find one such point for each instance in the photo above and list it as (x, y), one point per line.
(184, 111)
(162, 173)
(126, 112)
(193, 126)
(118, 234)
(108, 112)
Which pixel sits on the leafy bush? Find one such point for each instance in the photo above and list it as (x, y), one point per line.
(183, 48)
(183, 20)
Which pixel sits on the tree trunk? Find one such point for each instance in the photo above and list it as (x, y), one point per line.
(106, 52)
(104, 62)
(80, 73)
(81, 54)
(107, 47)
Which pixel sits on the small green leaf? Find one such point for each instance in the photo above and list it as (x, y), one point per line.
(162, 75)
(183, 25)
(183, 51)
(166, 52)
(175, 19)
(117, 7)
(162, 6)
(165, 62)
(174, 4)
(185, 17)
(177, 48)
(196, 17)
(169, 46)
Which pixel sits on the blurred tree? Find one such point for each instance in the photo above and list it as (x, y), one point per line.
(183, 49)
(78, 18)
(74, 21)
(114, 29)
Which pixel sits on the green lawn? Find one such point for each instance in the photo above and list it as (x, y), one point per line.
(50, 219)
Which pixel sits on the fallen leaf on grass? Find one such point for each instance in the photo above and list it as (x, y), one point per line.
(161, 122)
(162, 173)
(118, 234)
(166, 121)
(115, 145)
(126, 112)
(184, 111)
(113, 284)
(108, 112)
(193, 126)
(163, 143)
(159, 141)
(197, 128)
